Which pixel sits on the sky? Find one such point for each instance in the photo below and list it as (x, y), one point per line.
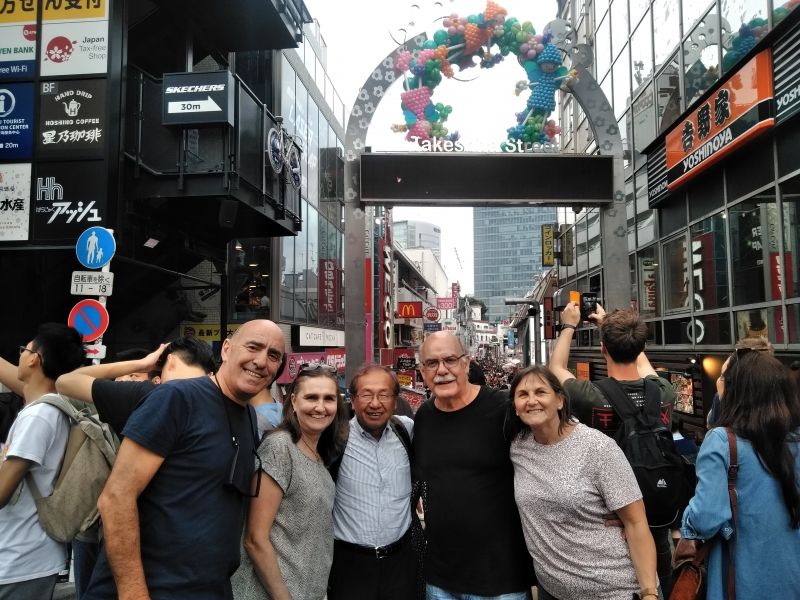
(360, 33)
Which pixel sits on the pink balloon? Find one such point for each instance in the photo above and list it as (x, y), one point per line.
(452, 31)
(531, 53)
(539, 47)
(524, 48)
(461, 29)
(446, 23)
(538, 38)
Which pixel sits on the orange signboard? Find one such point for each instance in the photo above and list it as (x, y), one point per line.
(409, 310)
(737, 111)
(583, 371)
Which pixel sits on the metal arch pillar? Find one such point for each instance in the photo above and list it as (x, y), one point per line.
(600, 114)
(355, 225)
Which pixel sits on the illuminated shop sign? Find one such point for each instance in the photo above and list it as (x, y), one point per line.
(737, 111)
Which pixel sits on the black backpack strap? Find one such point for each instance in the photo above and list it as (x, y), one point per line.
(624, 406)
(401, 432)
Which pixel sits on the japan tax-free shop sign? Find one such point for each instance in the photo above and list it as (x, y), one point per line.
(17, 39)
(72, 119)
(737, 111)
(74, 37)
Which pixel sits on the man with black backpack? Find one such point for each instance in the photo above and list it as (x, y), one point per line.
(634, 406)
(373, 554)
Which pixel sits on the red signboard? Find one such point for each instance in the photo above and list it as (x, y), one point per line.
(409, 310)
(740, 109)
(386, 333)
(432, 313)
(90, 318)
(334, 357)
(445, 304)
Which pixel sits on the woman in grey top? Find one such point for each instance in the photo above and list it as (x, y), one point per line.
(569, 480)
(288, 541)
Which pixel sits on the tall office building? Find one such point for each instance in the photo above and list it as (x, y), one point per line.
(418, 234)
(507, 254)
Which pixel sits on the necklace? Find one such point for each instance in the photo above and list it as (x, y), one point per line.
(313, 451)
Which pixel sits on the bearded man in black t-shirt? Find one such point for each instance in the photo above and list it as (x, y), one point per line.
(475, 541)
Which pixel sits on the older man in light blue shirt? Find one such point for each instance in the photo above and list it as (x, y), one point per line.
(373, 556)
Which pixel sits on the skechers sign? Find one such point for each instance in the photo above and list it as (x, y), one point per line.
(198, 98)
(736, 112)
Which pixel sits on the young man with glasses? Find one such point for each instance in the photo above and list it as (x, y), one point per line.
(174, 505)
(373, 557)
(475, 541)
(30, 560)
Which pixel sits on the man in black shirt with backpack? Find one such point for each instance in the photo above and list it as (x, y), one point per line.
(632, 400)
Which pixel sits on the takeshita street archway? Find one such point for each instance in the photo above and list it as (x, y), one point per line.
(425, 119)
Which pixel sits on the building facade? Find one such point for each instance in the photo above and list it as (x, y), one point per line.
(419, 234)
(704, 97)
(507, 254)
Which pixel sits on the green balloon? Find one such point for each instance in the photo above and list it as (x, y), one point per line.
(429, 45)
(440, 37)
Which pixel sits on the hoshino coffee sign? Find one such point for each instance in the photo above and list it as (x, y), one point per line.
(736, 111)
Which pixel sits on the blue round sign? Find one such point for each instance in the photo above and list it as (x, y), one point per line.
(95, 247)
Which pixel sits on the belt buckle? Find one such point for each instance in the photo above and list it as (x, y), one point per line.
(381, 552)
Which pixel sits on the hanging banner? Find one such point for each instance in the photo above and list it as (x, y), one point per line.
(15, 201)
(548, 245)
(328, 290)
(74, 37)
(72, 119)
(738, 110)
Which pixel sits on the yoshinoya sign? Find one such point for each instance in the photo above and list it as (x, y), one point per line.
(70, 197)
(787, 76)
(736, 111)
(197, 98)
(72, 119)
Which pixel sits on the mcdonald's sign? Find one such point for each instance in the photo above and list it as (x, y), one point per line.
(409, 310)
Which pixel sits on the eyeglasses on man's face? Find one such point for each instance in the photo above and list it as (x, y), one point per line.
(382, 397)
(23, 349)
(431, 364)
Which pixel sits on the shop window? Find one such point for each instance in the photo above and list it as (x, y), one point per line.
(788, 141)
(637, 8)
(288, 96)
(301, 132)
(654, 335)
(666, 28)
(593, 221)
(750, 170)
(748, 24)
(712, 329)
(701, 58)
(754, 251)
(648, 278)
(790, 193)
(630, 212)
(642, 54)
(675, 261)
(646, 227)
(793, 324)
(313, 270)
(760, 323)
(672, 214)
(581, 250)
(312, 153)
(678, 331)
(632, 274)
(602, 42)
(287, 277)
(782, 9)
(706, 194)
(619, 26)
(251, 280)
(692, 11)
(643, 116)
(709, 264)
(668, 93)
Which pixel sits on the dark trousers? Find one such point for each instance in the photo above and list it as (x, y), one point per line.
(357, 574)
(661, 536)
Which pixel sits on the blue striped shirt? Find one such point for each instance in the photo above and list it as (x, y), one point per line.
(373, 489)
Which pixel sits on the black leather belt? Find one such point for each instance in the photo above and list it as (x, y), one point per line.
(379, 552)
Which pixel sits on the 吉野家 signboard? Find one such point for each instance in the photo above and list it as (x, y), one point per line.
(738, 110)
(69, 198)
(16, 120)
(197, 98)
(15, 201)
(72, 119)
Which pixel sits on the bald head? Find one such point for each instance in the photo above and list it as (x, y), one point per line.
(251, 358)
(438, 337)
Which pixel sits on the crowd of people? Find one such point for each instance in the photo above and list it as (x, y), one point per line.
(220, 491)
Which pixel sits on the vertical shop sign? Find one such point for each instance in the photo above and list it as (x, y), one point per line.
(16, 120)
(74, 37)
(548, 245)
(72, 119)
(328, 290)
(15, 201)
(17, 39)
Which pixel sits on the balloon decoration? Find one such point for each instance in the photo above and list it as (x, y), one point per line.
(488, 38)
